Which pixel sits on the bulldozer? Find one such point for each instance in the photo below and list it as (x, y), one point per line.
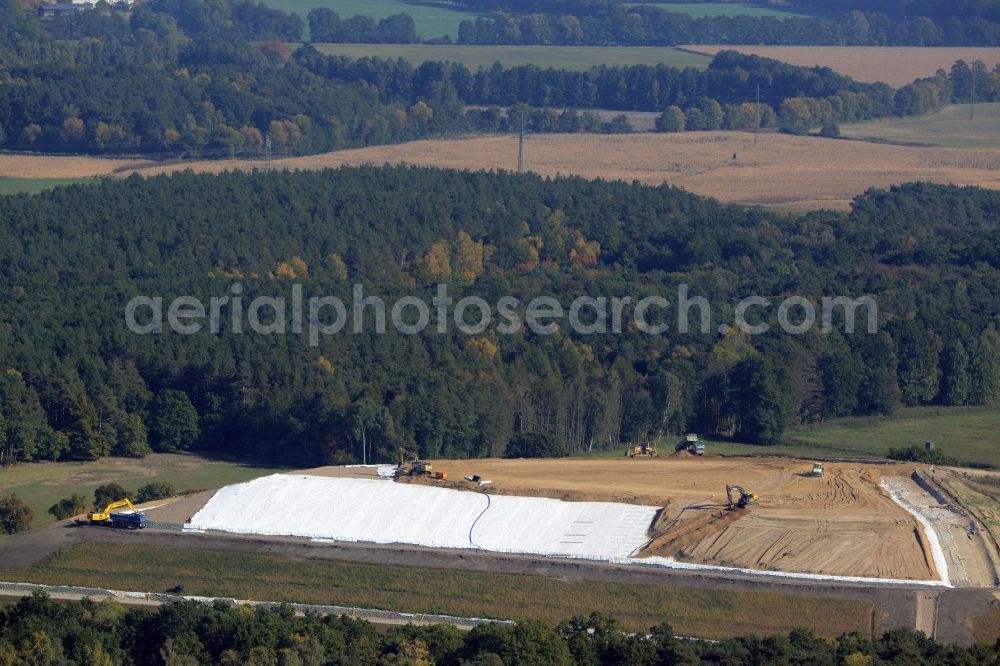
(411, 465)
(644, 449)
(738, 498)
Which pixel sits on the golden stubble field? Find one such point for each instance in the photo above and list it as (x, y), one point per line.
(781, 171)
(895, 65)
(62, 166)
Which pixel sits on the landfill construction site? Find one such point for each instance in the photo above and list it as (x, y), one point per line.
(845, 523)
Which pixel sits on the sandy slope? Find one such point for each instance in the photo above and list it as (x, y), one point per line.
(842, 524)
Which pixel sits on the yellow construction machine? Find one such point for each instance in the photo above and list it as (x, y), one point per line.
(411, 465)
(738, 498)
(644, 449)
(133, 520)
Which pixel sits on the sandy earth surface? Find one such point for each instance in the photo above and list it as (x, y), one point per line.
(780, 171)
(176, 509)
(895, 65)
(841, 524)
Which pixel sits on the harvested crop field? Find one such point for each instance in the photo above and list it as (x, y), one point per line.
(781, 171)
(60, 166)
(895, 65)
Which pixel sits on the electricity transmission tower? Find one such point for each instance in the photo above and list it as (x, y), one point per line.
(520, 146)
(756, 132)
(972, 107)
(267, 152)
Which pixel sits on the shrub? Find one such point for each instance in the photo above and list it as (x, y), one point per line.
(15, 515)
(920, 455)
(154, 491)
(110, 492)
(534, 445)
(830, 130)
(69, 507)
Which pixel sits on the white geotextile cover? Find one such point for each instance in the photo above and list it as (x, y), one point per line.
(384, 512)
(338, 509)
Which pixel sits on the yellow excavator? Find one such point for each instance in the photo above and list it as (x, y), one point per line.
(738, 498)
(411, 465)
(135, 520)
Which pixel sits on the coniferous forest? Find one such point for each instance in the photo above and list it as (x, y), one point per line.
(77, 384)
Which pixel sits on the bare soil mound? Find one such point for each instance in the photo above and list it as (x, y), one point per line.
(840, 524)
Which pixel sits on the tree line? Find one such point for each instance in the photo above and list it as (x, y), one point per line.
(626, 24)
(723, 96)
(325, 25)
(77, 384)
(37, 630)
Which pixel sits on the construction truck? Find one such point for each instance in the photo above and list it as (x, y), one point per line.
(411, 465)
(644, 449)
(691, 443)
(817, 469)
(133, 520)
(738, 498)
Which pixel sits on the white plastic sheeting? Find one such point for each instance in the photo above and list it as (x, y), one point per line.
(382, 512)
(341, 509)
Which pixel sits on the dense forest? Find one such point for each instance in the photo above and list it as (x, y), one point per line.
(78, 384)
(39, 631)
(172, 80)
(101, 82)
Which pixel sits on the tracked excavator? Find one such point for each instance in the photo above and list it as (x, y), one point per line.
(411, 465)
(738, 498)
(135, 520)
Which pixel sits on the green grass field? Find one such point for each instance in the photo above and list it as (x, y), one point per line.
(711, 613)
(433, 18)
(970, 434)
(562, 57)
(949, 127)
(30, 185)
(43, 484)
(703, 9)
